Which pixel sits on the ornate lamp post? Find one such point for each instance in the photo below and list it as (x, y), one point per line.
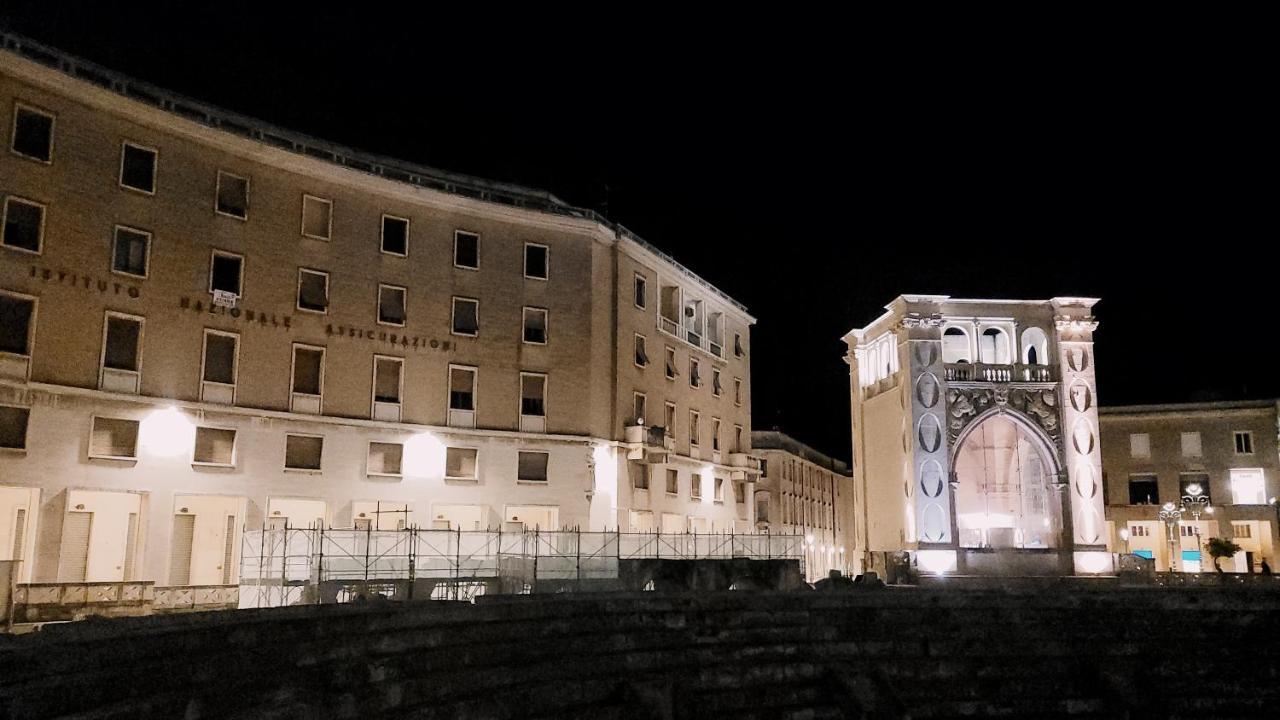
(1171, 516)
(1197, 502)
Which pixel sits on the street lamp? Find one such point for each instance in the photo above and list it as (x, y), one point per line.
(1124, 535)
(1171, 516)
(1197, 502)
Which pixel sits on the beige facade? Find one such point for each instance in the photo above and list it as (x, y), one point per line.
(212, 324)
(1158, 454)
(804, 492)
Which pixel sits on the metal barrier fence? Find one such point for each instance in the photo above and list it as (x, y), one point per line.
(286, 566)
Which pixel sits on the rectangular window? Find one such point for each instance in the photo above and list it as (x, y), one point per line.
(114, 438)
(740, 493)
(738, 351)
(23, 224)
(1248, 487)
(13, 427)
(317, 217)
(671, 363)
(1244, 442)
(387, 376)
(138, 168)
(220, 352)
(1191, 444)
(737, 391)
(232, 197)
(535, 326)
(533, 394)
(639, 407)
(641, 292)
(466, 316)
(693, 428)
(639, 473)
(1139, 445)
(303, 452)
(673, 482)
(32, 133)
(695, 486)
(308, 370)
(695, 377)
(460, 463)
(313, 290)
(385, 459)
(466, 250)
(462, 388)
(395, 235)
(17, 316)
(535, 261)
(716, 387)
(715, 434)
(670, 420)
(532, 466)
(642, 353)
(132, 250)
(122, 346)
(737, 439)
(214, 446)
(1144, 490)
(226, 273)
(1241, 530)
(718, 486)
(391, 305)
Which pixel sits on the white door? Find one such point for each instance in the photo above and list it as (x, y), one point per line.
(99, 536)
(18, 509)
(205, 544)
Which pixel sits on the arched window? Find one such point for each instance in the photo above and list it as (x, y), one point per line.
(993, 347)
(1003, 496)
(955, 346)
(1035, 347)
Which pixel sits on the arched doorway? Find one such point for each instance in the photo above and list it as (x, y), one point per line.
(1003, 497)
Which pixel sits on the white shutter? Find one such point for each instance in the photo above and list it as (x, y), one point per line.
(75, 546)
(130, 545)
(184, 529)
(19, 533)
(229, 550)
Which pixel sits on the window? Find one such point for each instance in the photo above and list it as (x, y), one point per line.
(232, 196)
(1248, 487)
(13, 427)
(214, 446)
(17, 316)
(718, 490)
(670, 420)
(23, 224)
(395, 235)
(132, 250)
(1139, 445)
(673, 482)
(1241, 530)
(695, 486)
(671, 363)
(737, 439)
(466, 250)
(317, 217)
(740, 493)
(1144, 490)
(391, 300)
(308, 370)
(303, 452)
(693, 427)
(313, 290)
(462, 385)
(1191, 444)
(387, 376)
(641, 292)
(114, 438)
(466, 316)
(460, 463)
(715, 434)
(220, 351)
(737, 345)
(639, 475)
(993, 347)
(32, 133)
(716, 388)
(138, 168)
(1139, 531)
(122, 344)
(385, 459)
(533, 394)
(640, 408)
(532, 466)
(535, 326)
(695, 377)
(737, 391)
(226, 272)
(535, 261)
(1244, 442)
(642, 353)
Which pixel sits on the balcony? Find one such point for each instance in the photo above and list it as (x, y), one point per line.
(709, 344)
(648, 443)
(986, 373)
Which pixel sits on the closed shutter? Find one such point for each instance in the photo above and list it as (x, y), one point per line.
(130, 545)
(229, 550)
(184, 528)
(19, 533)
(75, 546)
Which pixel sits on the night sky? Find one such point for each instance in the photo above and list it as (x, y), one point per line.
(812, 170)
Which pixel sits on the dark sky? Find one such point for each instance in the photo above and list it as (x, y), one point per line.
(813, 168)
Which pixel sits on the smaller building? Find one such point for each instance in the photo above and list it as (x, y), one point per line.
(1222, 452)
(804, 492)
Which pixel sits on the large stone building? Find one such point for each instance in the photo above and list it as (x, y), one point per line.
(209, 323)
(975, 436)
(805, 492)
(1216, 462)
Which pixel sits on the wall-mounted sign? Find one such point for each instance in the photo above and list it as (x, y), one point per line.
(110, 286)
(408, 342)
(260, 318)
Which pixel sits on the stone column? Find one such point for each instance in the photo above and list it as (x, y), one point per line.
(931, 472)
(1082, 455)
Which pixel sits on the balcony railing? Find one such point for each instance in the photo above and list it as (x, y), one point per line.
(983, 372)
(690, 336)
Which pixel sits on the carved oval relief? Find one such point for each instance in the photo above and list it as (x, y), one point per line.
(930, 433)
(1085, 485)
(1078, 359)
(1082, 438)
(926, 353)
(933, 523)
(1089, 528)
(1081, 397)
(931, 478)
(928, 391)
